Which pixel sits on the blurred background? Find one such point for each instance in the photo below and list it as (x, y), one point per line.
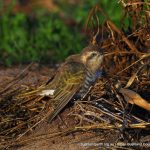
(46, 31)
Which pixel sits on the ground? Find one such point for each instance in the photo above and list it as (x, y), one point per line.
(41, 137)
(61, 134)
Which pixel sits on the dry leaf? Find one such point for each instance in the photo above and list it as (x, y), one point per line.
(134, 98)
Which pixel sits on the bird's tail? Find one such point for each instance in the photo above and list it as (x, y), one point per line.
(31, 95)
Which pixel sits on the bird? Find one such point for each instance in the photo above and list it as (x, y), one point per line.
(73, 79)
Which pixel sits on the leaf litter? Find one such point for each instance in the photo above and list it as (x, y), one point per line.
(119, 101)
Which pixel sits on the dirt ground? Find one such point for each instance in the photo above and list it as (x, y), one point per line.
(46, 136)
(39, 138)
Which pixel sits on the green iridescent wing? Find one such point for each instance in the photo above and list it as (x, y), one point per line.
(68, 81)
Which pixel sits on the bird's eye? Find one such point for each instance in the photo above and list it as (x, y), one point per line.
(93, 54)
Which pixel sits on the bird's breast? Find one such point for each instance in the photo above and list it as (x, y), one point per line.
(90, 78)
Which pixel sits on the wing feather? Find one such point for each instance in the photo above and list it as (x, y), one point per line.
(69, 82)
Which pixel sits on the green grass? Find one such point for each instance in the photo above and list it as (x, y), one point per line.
(45, 37)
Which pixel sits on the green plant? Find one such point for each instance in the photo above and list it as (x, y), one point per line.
(13, 37)
(46, 36)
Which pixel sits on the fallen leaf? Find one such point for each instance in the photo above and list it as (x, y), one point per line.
(134, 98)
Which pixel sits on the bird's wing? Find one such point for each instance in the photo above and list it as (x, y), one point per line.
(69, 80)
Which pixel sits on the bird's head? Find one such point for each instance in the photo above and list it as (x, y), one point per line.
(91, 57)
